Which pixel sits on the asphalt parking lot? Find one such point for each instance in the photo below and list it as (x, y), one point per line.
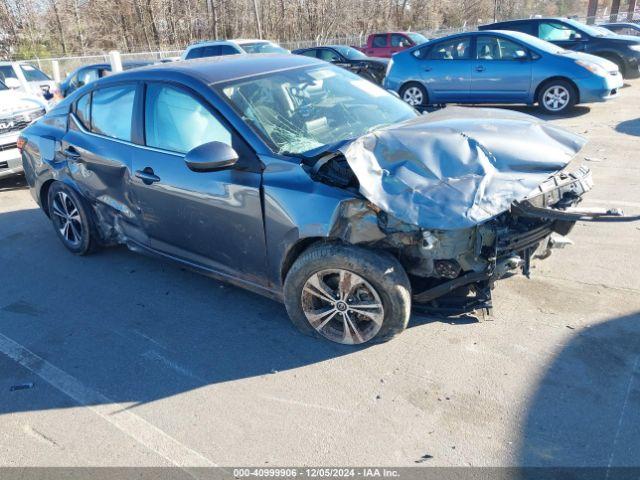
(119, 359)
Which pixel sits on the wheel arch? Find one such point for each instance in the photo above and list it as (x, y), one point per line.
(551, 79)
(408, 83)
(295, 251)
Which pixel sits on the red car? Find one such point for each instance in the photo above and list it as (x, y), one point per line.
(386, 44)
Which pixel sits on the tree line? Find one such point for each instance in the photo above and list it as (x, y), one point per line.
(45, 28)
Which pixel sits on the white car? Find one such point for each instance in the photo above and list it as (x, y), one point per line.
(17, 111)
(27, 78)
(216, 48)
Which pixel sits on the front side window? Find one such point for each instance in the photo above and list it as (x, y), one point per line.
(554, 32)
(497, 48)
(32, 74)
(177, 122)
(454, 49)
(112, 111)
(83, 110)
(85, 76)
(380, 41)
(228, 50)
(328, 55)
(351, 53)
(300, 110)
(398, 40)
(3, 86)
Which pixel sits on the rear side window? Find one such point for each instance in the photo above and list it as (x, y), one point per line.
(309, 53)
(6, 71)
(83, 110)
(177, 122)
(454, 49)
(379, 41)
(194, 53)
(112, 111)
(210, 51)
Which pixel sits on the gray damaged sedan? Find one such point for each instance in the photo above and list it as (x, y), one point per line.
(306, 183)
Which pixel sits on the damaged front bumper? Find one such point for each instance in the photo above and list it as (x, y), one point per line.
(531, 229)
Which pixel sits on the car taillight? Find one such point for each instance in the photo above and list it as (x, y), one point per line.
(21, 143)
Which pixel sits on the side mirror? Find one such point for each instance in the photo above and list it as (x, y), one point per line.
(12, 82)
(210, 157)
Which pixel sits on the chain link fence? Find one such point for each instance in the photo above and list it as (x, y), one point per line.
(68, 64)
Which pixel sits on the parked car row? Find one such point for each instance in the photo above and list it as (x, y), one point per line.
(304, 182)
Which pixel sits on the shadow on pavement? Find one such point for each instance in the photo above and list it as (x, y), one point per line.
(629, 127)
(134, 328)
(16, 182)
(586, 409)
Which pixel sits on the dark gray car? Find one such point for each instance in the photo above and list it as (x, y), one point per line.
(306, 183)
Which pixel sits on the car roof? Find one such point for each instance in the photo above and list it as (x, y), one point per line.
(219, 69)
(237, 41)
(622, 24)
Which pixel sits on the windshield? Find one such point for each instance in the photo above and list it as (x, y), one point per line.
(417, 38)
(300, 110)
(589, 30)
(538, 43)
(350, 53)
(263, 47)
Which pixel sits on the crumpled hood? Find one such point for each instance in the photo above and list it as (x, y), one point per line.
(458, 167)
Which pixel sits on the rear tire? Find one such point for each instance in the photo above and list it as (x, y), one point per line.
(71, 219)
(415, 94)
(557, 97)
(348, 294)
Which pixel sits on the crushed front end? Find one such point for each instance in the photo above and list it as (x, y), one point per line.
(462, 198)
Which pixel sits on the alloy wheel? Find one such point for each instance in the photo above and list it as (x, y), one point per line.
(556, 98)
(342, 306)
(66, 217)
(413, 96)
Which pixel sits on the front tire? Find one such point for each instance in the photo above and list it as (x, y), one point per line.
(348, 294)
(556, 97)
(71, 219)
(414, 94)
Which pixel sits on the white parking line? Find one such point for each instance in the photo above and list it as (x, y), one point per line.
(116, 414)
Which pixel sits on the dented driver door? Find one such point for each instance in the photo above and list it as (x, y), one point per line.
(98, 151)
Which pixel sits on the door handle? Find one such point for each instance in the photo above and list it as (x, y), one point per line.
(427, 69)
(71, 153)
(479, 68)
(147, 176)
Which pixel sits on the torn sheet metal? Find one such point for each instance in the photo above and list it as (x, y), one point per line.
(458, 167)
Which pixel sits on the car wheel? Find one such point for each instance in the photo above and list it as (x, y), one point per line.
(71, 220)
(348, 294)
(556, 96)
(415, 95)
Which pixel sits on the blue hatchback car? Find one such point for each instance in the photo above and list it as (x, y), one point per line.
(500, 67)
